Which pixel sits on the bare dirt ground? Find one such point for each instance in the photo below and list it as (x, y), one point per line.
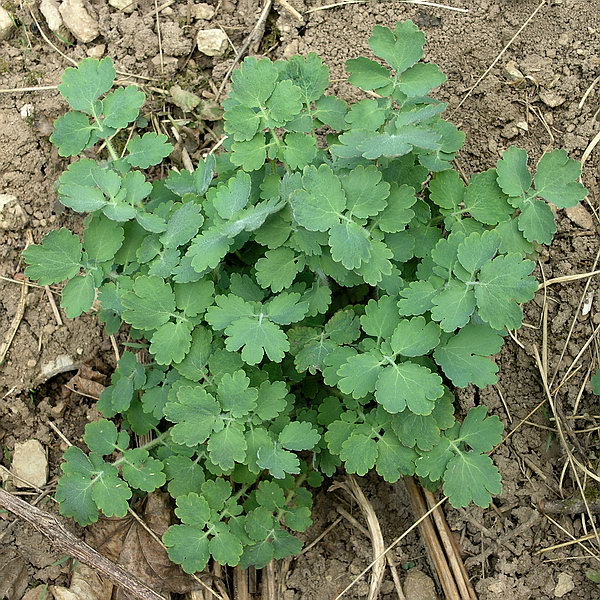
(543, 92)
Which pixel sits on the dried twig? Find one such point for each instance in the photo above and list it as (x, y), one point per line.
(354, 490)
(452, 551)
(14, 327)
(431, 541)
(254, 35)
(52, 528)
(501, 54)
(53, 306)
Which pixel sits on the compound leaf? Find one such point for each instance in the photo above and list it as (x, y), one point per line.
(471, 477)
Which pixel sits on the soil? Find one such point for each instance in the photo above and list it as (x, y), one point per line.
(551, 101)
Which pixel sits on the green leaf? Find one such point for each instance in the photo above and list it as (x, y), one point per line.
(471, 477)
(142, 471)
(187, 545)
(299, 435)
(101, 437)
(194, 413)
(415, 337)
(278, 461)
(74, 495)
(479, 431)
(447, 190)
(308, 73)
(193, 509)
(270, 495)
(350, 244)
(417, 297)
(464, 357)
(250, 155)
(557, 179)
(536, 221)
(359, 453)
(400, 48)
(78, 295)
(184, 475)
(229, 198)
(380, 318)
(256, 337)
(394, 459)
(286, 308)
(150, 303)
(254, 82)
(420, 79)
(82, 85)
(58, 257)
(503, 283)
(71, 133)
(408, 385)
(85, 185)
(183, 225)
(365, 192)
(485, 201)
(122, 106)
(300, 150)
(367, 74)
(318, 206)
(228, 446)
(171, 342)
(513, 175)
(398, 213)
(359, 374)
(102, 238)
(332, 112)
(367, 114)
(224, 547)
(148, 150)
(235, 394)
(278, 269)
(453, 306)
(228, 309)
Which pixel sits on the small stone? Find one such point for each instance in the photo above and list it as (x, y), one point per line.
(126, 6)
(551, 99)
(291, 49)
(36, 593)
(26, 111)
(79, 20)
(49, 8)
(96, 51)
(418, 586)
(12, 215)
(212, 42)
(203, 12)
(30, 463)
(31, 363)
(564, 585)
(7, 24)
(61, 364)
(581, 217)
(513, 73)
(522, 125)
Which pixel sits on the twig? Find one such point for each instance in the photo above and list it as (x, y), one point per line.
(335, 5)
(389, 559)
(452, 552)
(258, 28)
(390, 547)
(354, 490)
(432, 543)
(53, 529)
(40, 88)
(320, 536)
(53, 306)
(588, 92)
(495, 61)
(15, 324)
(291, 10)
(567, 278)
(435, 5)
(590, 148)
(570, 506)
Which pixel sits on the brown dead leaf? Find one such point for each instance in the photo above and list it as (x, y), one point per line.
(142, 555)
(13, 577)
(127, 543)
(40, 592)
(86, 584)
(87, 382)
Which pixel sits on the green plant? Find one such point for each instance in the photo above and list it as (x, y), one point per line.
(308, 297)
